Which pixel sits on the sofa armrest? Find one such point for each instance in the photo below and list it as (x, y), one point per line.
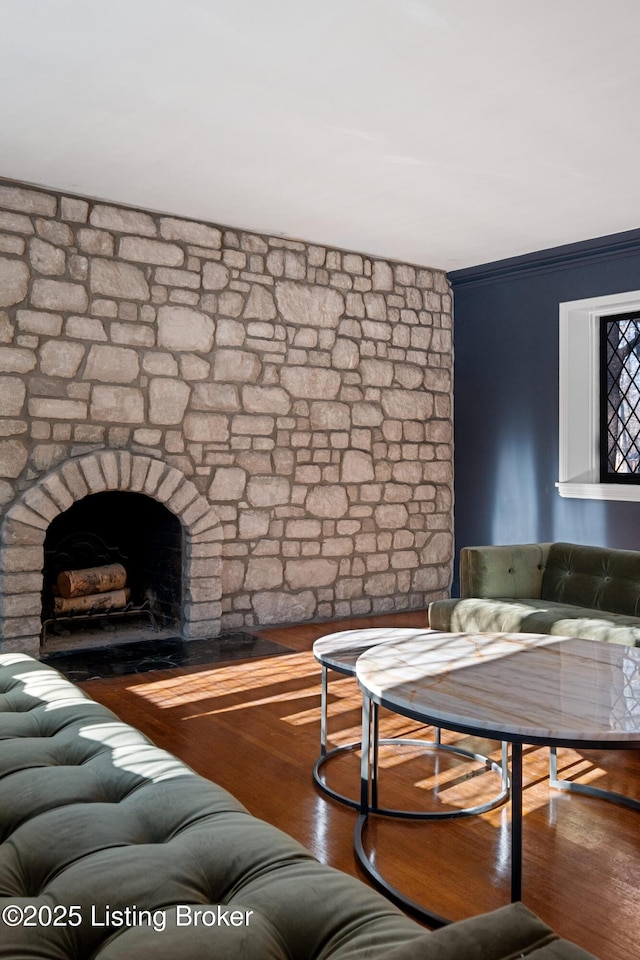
(505, 571)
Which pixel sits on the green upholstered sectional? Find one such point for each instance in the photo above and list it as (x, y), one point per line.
(125, 847)
(558, 588)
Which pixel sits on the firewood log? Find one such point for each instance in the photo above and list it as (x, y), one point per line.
(111, 600)
(80, 583)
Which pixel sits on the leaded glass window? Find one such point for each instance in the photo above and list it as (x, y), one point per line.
(620, 398)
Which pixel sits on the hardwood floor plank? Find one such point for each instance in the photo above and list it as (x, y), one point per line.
(253, 727)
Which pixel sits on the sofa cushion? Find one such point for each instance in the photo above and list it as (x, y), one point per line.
(595, 577)
(503, 614)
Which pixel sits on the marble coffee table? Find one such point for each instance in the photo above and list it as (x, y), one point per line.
(340, 652)
(520, 688)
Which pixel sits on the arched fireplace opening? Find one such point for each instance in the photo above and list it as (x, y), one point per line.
(132, 531)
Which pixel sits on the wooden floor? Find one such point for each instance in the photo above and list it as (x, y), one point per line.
(253, 727)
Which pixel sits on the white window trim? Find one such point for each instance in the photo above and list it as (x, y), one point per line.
(579, 465)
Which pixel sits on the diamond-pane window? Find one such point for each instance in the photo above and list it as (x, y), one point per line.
(620, 398)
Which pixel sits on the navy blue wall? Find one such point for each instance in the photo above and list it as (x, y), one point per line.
(506, 396)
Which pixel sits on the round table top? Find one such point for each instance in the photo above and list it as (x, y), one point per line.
(339, 651)
(533, 688)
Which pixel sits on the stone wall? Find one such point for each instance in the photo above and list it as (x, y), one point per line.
(303, 392)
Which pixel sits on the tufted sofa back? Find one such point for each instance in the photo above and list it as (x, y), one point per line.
(595, 577)
(95, 816)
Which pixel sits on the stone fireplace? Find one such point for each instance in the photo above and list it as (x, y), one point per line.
(74, 498)
(135, 532)
(274, 415)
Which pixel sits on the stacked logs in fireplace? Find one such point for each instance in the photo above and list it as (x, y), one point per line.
(91, 590)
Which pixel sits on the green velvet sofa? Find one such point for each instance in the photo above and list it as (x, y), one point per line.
(558, 588)
(112, 849)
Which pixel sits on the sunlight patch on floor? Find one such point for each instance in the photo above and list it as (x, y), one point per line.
(222, 681)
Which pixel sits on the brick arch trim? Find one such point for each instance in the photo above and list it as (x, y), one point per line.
(26, 522)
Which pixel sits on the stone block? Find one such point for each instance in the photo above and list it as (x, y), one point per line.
(275, 607)
(273, 400)
(13, 428)
(409, 375)
(112, 364)
(194, 368)
(73, 209)
(437, 380)
(328, 502)
(6, 327)
(303, 530)
(330, 416)
(17, 360)
(28, 201)
(206, 427)
(366, 415)
(260, 305)
(228, 484)
(183, 328)
(265, 491)
(22, 559)
(113, 279)
(16, 223)
(376, 373)
(159, 364)
(10, 244)
(380, 585)
(93, 475)
(381, 276)
(314, 572)
(407, 404)
(392, 516)
(13, 458)
(150, 251)
(215, 276)
(230, 304)
(201, 629)
(253, 524)
(117, 404)
(12, 395)
(98, 243)
(189, 231)
(236, 365)
(178, 278)
(312, 383)
(184, 495)
(45, 258)
(85, 328)
(58, 491)
(263, 574)
(375, 306)
(133, 334)
(252, 426)
(122, 220)
(14, 281)
(59, 295)
(309, 306)
(357, 467)
(202, 615)
(345, 354)
(168, 399)
(221, 397)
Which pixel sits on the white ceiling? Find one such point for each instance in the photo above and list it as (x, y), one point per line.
(441, 132)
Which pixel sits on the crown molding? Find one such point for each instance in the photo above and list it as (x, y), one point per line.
(616, 245)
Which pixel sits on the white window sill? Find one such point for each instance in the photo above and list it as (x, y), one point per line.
(599, 491)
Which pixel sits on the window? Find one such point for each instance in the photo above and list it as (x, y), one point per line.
(620, 398)
(583, 397)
